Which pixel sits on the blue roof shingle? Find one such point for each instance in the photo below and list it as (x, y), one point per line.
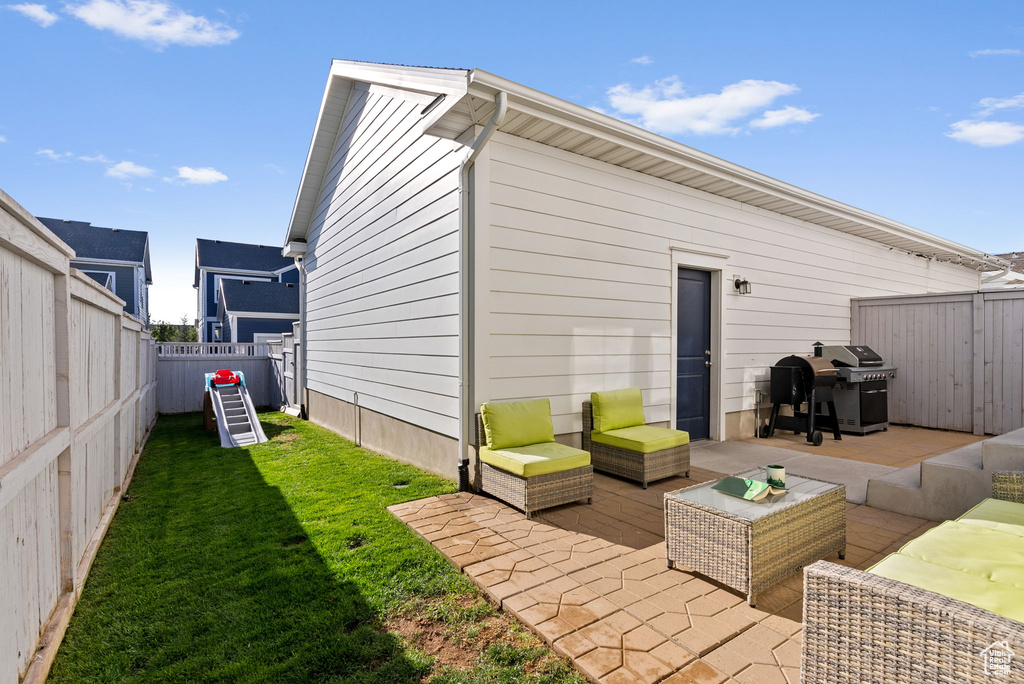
(256, 296)
(97, 242)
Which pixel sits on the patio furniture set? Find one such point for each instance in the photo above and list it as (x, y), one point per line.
(744, 545)
(947, 607)
(520, 462)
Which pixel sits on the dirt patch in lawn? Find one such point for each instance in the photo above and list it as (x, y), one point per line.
(456, 632)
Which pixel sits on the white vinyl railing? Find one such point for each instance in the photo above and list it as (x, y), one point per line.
(168, 350)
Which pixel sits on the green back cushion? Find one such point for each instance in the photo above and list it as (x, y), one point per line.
(517, 423)
(965, 561)
(617, 409)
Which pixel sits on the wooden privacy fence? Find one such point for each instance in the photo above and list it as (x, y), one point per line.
(960, 357)
(285, 373)
(181, 370)
(77, 400)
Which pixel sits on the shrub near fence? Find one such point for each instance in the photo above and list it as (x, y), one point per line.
(77, 400)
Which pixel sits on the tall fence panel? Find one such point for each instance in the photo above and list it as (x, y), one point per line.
(181, 369)
(75, 409)
(960, 357)
(285, 373)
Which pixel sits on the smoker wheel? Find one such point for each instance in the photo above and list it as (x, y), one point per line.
(764, 432)
(817, 438)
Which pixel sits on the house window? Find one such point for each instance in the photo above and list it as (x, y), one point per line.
(105, 278)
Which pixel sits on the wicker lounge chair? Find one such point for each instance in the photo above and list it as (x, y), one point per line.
(863, 627)
(555, 485)
(633, 464)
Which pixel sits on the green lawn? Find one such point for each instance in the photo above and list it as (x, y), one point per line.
(279, 563)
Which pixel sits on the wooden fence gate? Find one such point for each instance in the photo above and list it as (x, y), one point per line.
(960, 357)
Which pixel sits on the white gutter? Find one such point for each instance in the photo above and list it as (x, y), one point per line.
(466, 280)
(549, 107)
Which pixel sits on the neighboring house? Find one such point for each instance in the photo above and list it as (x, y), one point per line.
(117, 259)
(256, 311)
(217, 260)
(1015, 278)
(582, 254)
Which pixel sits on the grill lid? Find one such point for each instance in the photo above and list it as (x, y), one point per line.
(851, 355)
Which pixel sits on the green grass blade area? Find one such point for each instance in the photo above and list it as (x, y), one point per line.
(279, 563)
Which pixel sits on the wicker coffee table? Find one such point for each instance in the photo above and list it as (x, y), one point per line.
(750, 546)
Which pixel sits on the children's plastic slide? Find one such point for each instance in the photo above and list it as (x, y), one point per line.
(237, 422)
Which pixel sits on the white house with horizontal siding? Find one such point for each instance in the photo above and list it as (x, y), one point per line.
(469, 239)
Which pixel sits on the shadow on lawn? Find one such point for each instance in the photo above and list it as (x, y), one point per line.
(207, 576)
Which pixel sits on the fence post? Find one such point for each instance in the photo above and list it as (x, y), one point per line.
(62, 357)
(978, 376)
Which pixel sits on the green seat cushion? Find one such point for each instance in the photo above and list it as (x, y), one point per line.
(644, 439)
(617, 409)
(1005, 516)
(974, 550)
(536, 459)
(517, 423)
(1003, 599)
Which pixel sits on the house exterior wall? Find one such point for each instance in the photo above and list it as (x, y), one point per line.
(382, 270)
(575, 275)
(245, 327)
(125, 280)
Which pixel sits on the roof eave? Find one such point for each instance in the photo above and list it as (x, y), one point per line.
(332, 108)
(529, 100)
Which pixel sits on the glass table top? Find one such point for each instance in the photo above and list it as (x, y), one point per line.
(797, 489)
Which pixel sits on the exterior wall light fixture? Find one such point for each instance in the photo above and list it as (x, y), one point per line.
(742, 286)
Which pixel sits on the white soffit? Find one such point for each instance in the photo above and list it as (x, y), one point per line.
(545, 119)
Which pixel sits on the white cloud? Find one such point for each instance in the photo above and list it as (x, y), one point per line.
(1009, 52)
(783, 117)
(642, 59)
(54, 156)
(152, 21)
(203, 176)
(95, 158)
(665, 107)
(3, 139)
(127, 169)
(986, 133)
(990, 105)
(36, 12)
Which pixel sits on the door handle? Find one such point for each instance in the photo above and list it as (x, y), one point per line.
(708, 364)
(707, 352)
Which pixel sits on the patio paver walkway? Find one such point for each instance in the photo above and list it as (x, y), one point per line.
(592, 581)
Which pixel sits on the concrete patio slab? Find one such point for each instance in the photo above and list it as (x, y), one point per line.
(736, 457)
(592, 581)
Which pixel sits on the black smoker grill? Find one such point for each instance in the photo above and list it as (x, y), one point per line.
(798, 380)
(862, 394)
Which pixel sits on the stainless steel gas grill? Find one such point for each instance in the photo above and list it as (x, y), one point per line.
(862, 393)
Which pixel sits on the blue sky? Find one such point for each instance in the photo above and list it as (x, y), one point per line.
(193, 119)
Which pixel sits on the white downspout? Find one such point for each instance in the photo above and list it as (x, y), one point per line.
(997, 276)
(466, 280)
(300, 263)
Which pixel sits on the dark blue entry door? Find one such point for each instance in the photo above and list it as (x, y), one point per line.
(693, 353)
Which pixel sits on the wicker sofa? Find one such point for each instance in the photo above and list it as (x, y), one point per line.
(519, 462)
(621, 443)
(868, 627)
